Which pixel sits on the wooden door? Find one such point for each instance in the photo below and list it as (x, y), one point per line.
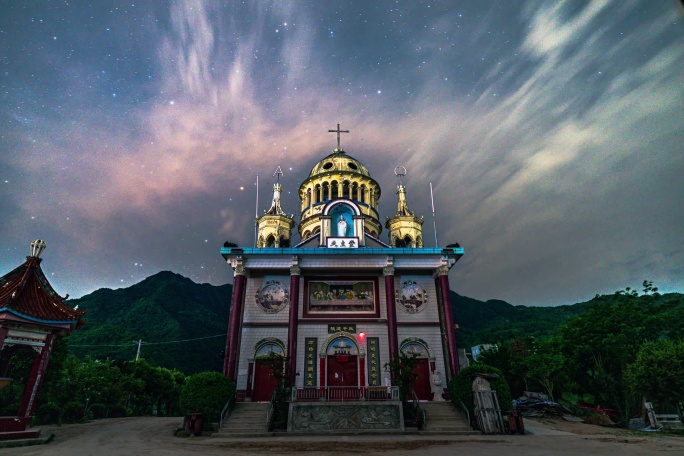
(422, 385)
(343, 378)
(264, 382)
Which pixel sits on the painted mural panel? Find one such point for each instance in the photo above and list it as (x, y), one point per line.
(348, 296)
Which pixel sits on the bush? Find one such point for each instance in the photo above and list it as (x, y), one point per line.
(461, 387)
(207, 393)
(48, 413)
(98, 410)
(72, 412)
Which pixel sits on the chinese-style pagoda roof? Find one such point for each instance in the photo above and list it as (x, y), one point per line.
(27, 293)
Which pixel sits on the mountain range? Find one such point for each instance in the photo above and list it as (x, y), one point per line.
(181, 324)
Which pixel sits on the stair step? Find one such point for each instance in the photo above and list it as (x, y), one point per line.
(463, 432)
(244, 435)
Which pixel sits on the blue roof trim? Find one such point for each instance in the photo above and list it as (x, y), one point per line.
(38, 320)
(327, 251)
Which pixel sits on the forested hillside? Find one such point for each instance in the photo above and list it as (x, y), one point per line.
(161, 310)
(482, 322)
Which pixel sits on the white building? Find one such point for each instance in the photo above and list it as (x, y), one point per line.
(341, 303)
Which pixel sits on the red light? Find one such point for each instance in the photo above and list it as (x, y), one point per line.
(362, 335)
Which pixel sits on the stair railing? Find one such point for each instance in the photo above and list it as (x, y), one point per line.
(464, 409)
(225, 413)
(270, 414)
(418, 411)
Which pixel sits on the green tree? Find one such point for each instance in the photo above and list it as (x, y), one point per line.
(280, 368)
(403, 374)
(402, 371)
(658, 372)
(207, 393)
(601, 342)
(543, 363)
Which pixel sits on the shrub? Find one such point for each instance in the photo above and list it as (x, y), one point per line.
(461, 386)
(207, 393)
(48, 413)
(72, 412)
(98, 410)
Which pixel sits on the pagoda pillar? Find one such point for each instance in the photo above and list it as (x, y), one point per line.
(234, 323)
(3, 333)
(442, 283)
(390, 298)
(35, 380)
(293, 323)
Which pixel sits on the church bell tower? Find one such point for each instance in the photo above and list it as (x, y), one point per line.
(275, 227)
(405, 229)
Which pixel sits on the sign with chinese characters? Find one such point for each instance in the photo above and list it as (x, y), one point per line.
(342, 243)
(374, 378)
(310, 358)
(335, 328)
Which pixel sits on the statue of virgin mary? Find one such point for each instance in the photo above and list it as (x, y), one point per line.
(341, 226)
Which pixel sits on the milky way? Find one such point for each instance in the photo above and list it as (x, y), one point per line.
(131, 134)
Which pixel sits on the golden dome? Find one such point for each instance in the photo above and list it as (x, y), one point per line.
(339, 161)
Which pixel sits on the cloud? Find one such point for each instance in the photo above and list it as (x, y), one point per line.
(532, 146)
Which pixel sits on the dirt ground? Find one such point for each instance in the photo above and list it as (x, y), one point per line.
(154, 436)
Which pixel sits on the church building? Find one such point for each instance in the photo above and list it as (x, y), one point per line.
(341, 303)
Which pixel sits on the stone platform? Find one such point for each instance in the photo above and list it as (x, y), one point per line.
(356, 417)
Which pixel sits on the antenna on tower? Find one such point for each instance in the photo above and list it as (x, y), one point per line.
(434, 219)
(256, 213)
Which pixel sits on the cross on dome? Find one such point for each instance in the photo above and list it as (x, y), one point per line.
(338, 131)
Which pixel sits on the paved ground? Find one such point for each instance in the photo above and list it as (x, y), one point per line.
(154, 436)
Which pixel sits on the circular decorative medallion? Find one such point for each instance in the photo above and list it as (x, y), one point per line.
(272, 297)
(411, 298)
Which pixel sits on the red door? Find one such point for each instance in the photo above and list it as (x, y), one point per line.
(264, 382)
(343, 378)
(422, 385)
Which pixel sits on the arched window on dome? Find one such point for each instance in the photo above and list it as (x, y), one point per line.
(346, 190)
(308, 197)
(363, 193)
(284, 242)
(405, 242)
(335, 191)
(355, 191)
(326, 191)
(270, 241)
(306, 234)
(317, 194)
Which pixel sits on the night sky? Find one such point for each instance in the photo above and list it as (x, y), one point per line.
(131, 133)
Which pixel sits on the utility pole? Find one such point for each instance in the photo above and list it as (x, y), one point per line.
(137, 355)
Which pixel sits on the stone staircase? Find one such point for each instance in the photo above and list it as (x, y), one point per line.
(442, 418)
(248, 419)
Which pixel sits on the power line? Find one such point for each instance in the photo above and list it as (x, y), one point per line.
(184, 340)
(133, 344)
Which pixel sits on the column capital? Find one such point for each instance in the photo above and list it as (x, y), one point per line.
(239, 270)
(441, 271)
(295, 271)
(388, 271)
